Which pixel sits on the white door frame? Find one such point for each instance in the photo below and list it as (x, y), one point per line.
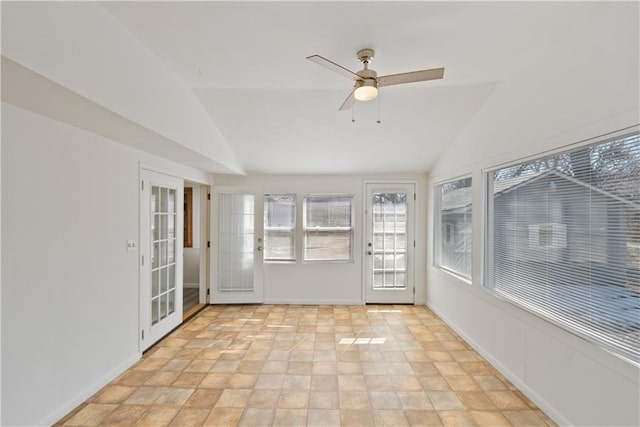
(391, 296)
(149, 334)
(205, 236)
(257, 296)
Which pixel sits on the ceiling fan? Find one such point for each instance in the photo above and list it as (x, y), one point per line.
(367, 81)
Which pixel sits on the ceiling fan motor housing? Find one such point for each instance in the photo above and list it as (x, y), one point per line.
(366, 55)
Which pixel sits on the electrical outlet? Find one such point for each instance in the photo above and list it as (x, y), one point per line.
(131, 245)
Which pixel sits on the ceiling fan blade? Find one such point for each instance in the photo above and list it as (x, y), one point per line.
(333, 67)
(348, 103)
(413, 76)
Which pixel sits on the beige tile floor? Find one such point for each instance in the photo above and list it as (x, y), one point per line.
(263, 365)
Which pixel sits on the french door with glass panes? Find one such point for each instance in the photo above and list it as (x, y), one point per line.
(237, 255)
(161, 228)
(389, 243)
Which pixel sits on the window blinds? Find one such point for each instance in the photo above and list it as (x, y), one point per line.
(454, 238)
(564, 240)
(328, 228)
(279, 227)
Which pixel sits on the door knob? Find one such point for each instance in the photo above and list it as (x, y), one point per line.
(368, 252)
(259, 248)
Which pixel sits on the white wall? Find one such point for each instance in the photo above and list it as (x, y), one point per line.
(588, 87)
(70, 288)
(321, 283)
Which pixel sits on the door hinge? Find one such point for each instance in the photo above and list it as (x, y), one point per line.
(414, 290)
(208, 244)
(208, 196)
(143, 334)
(142, 259)
(414, 243)
(142, 185)
(414, 196)
(208, 291)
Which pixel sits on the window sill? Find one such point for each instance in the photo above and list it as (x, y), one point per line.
(458, 276)
(329, 261)
(284, 261)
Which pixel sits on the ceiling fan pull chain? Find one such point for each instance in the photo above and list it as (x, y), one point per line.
(353, 113)
(378, 121)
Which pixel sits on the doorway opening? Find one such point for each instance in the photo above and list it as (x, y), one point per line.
(195, 245)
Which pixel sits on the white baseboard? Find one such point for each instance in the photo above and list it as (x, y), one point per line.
(549, 409)
(90, 391)
(313, 302)
(191, 285)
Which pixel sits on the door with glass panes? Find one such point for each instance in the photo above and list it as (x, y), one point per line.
(389, 243)
(237, 224)
(161, 228)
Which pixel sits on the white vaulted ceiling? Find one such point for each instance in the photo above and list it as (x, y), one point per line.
(246, 63)
(259, 106)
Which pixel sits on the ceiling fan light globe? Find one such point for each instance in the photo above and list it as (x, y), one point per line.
(366, 93)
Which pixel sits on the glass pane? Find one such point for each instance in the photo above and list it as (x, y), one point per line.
(377, 261)
(163, 306)
(389, 280)
(163, 200)
(279, 245)
(171, 208)
(155, 227)
(163, 253)
(172, 276)
(171, 245)
(154, 310)
(390, 239)
(455, 230)
(155, 199)
(171, 226)
(155, 256)
(377, 280)
(155, 283)
(280, 211)
(329, 211)
(328, 245)
(377, 242)
(236, 242)
(389, 262)
(172, 302)
(163, 226)
(163, 279)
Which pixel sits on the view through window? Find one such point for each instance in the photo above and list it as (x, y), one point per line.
(564, 240)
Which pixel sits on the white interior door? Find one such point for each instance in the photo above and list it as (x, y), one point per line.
(237, 259)
(390, 244)
(161, 229)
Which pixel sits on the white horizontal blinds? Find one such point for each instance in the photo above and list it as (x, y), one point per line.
(163, 262)
(564, 240)
(328, 228)
(389, 240)
(236, 250)
(279, 227)
(455, 226)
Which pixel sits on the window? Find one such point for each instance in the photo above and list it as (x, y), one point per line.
(453, 238)
(279, 227)
(328, 228)
(564, 240)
